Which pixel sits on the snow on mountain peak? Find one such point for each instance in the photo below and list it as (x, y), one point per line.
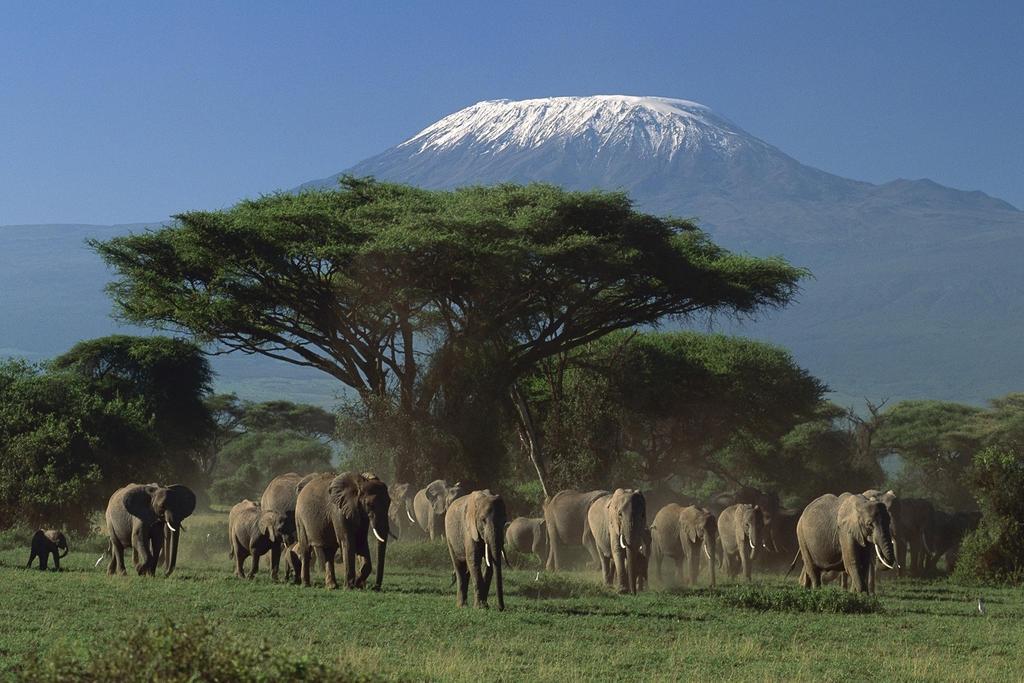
(649, 126)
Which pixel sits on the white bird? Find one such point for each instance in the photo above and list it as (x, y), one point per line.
(981, 606)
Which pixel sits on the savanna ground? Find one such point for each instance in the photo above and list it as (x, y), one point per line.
(564, 627)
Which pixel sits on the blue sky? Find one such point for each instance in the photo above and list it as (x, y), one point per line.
(130, 112)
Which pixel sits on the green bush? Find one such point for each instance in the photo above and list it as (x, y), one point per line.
(826, 600)
(994, 552)
(171, 652)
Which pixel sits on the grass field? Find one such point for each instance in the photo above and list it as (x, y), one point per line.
(562, 628)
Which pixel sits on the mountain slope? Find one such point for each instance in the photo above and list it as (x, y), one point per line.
(914, 289)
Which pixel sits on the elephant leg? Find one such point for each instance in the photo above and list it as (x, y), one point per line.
(462, 577)
(307, 559)
(366, 567)
(327, 558)
(119, 554)
(478, 579)
(745, 562)
(240, 552)
(554, 554)
(255, 564)
(142, 556)
(348, 553)
(31, 558)
(275, 560)
(56, 560)
(694, 560)
(619, 562)
(44, 561)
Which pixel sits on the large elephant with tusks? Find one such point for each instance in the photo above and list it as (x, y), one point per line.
(147, 518)
(617, 526)
(844, 533)
(333, 512)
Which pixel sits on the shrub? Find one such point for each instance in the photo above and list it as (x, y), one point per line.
(826, 600)
(994, 552)
(169, 652)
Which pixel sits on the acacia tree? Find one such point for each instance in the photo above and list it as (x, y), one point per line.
(387, 287)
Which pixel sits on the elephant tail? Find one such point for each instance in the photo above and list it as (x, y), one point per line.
(792, 564)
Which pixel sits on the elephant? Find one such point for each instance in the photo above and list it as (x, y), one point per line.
(430, 504)
(146, 518)
(280, 496)
(616, 526)
(912, 520)
(679, 533)
(341, 511)
(767, 502)
(401, 513)
(844, 533)
(46, 543)
(528, 535)
(944, 537)
(474, 527)
(565, 516)
(253, 531)
(741, 532)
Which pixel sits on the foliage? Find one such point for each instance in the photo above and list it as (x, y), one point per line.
(936, 443)
(994, 552)
(248, 462)
(648, 406)
(64, 446)
(171, 652)
(390, 289)
(169, 377)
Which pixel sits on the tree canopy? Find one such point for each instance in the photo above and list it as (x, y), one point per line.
(387, 287)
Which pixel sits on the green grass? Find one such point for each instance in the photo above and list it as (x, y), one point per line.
(563, 627)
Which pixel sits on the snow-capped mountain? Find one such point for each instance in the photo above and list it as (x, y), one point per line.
(915, 284)
(648, 127)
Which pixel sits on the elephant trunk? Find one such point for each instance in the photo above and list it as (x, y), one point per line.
(172, 551)
(494, 544)
(885, 550)
(382, 549)
(66, 550)
(632, 558)
(710, 549)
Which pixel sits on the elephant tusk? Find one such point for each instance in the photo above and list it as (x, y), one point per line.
(880, 558)
(409, 515)
(171, 527)
(706, 551)
(622, 543)
(751, 544)
(97, 563)
(486, 553)
(376, 535)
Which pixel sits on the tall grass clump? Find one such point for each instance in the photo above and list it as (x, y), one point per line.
(172, 653)
(823, 601)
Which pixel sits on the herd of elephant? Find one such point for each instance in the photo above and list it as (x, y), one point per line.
(299, 517)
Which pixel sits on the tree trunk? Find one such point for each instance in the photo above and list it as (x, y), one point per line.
(528, 435)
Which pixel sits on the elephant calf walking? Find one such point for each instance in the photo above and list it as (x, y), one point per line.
(679, 534)
(474, 527)
(253, 531)
(46, 543)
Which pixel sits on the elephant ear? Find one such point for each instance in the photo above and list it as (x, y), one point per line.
(855, 523)
(470, 516)
(436, 492)
(344, 492)
(183, 499)
(138, 501)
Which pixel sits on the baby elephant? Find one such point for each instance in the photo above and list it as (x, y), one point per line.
(46, 543)
(253, 531)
